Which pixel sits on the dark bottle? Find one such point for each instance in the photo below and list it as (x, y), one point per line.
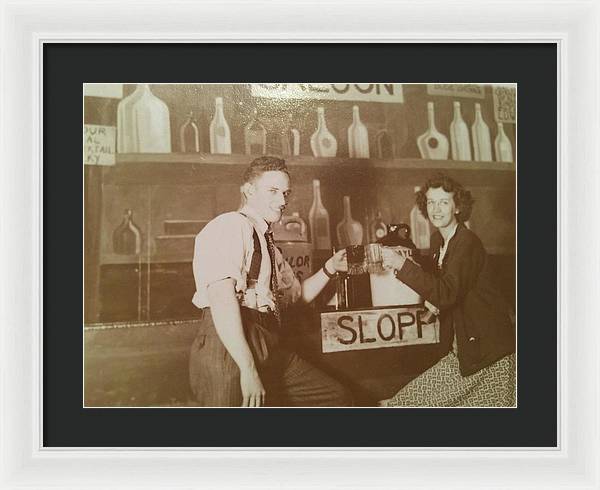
(189, 135)
(127, 239)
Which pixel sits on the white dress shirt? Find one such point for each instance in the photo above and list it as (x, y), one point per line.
(224, 248)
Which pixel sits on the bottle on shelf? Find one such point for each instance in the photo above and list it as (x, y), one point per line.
(459, 136)
(255, 136)
(189, 135)
(127, 238)
(503, 146)
(143, 124)
(220, 136)
(419, 224)
(322, 142)
(358, 136)
(318, 220)
(378, 228)
(432, 144)
(287, 140)
(385, 144)
(349, 231)
(482, 146)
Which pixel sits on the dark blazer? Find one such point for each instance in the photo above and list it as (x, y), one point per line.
(468, 302)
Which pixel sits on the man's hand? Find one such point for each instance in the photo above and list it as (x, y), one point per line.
(338, 262)
(253, 391)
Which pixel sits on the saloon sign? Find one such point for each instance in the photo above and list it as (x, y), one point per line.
(376, 328)
(367, 92)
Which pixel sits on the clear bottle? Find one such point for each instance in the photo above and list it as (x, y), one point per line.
(318, 220)
(459, 136)
(432, 144)
(503, 146)
(255, 136)
(189, 135)
(482, 146)
(322, 142)
(349, 231)
(143, 123)
(419, 225)
(220, 136)
(125, 126)
(358, 136)
(127, 238)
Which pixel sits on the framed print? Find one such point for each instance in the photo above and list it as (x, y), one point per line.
(56, 434)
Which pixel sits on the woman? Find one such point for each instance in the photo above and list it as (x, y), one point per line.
(476, 329)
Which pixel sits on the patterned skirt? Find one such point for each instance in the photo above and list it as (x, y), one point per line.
(443, 386)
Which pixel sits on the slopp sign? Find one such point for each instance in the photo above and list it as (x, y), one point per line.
(377, 328)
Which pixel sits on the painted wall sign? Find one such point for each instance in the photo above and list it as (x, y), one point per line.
(110, 90)
(470, 90)
(99, 144)
(367, 92)
(376, 328)
(505, 97)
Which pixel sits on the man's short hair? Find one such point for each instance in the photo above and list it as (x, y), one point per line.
(260, 165)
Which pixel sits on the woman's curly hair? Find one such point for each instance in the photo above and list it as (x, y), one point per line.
(462, 197)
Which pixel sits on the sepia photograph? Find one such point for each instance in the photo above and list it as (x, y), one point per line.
(300, 245)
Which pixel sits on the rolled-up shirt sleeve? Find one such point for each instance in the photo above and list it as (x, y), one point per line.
(220, 253)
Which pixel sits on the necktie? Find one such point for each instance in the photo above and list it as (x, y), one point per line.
(274, 289)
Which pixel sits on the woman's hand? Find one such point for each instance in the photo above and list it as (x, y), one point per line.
(337, 262)
(391, 258)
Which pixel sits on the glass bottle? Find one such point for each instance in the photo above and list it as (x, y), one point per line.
(378, 228)
(255, 136)
(349, 231)
(358, 137)
(419, 225)
(125, 120)
(318, 221)
(322, 142)
(127, 238)
(459, 136)
(146, 123)
(482, 146)
(385, 144)
(189, 135)
(432, 144)
(220, 136)
(503, 146)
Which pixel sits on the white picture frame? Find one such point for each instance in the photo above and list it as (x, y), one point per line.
(574, 26)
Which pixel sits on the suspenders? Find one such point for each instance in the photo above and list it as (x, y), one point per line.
(256, 255)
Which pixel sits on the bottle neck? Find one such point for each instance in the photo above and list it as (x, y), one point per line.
(355, 115)
(431, 116)
(347, 209)
(457, 114)
(317, 194)
(501, 129)
(322, 125)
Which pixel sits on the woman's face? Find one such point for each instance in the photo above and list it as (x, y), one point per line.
(441, 208)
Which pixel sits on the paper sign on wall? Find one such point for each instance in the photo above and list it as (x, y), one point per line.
(469, 90)
(505, 103)
(99, 144)
(376, 328)
(367, 92)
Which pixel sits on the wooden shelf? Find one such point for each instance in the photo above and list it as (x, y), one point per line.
(202, 159)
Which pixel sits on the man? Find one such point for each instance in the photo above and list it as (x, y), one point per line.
(242, 282)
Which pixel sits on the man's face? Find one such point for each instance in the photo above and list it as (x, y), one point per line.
(268, 195)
